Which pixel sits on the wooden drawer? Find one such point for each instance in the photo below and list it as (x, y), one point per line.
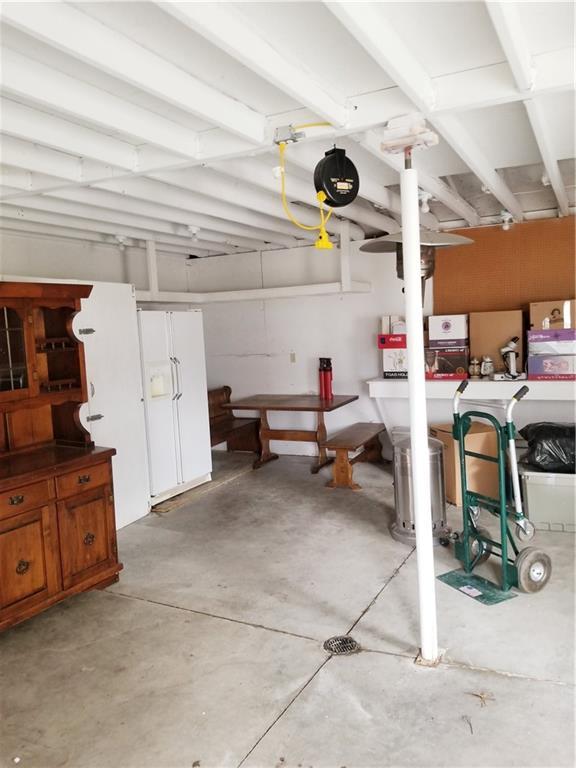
(87, 535)
(28, 568)
(25, 497)
(83, 480)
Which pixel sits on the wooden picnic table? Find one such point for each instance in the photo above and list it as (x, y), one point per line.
(292, 403)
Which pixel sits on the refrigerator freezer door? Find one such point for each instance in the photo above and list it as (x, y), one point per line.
(115, 406)
(159, 399)
(191, 395)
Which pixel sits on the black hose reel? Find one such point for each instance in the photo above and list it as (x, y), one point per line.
(337, 177)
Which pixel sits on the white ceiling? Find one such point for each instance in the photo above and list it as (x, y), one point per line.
(135, 121)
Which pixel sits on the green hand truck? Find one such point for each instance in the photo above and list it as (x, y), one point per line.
(528, 569)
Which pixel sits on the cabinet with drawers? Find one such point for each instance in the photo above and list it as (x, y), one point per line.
(57, 523)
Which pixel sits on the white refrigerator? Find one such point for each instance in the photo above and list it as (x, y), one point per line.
(175, 401)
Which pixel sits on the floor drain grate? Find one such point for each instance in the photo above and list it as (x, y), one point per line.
(341, 645)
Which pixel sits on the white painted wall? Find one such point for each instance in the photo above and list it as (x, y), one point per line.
(249, 344)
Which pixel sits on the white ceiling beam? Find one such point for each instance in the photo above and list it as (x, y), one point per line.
(149, 189)
(30, 228)
(306, 155)
(90, 41)
(33, 125)
(210, 184)
(30, 80)
(22, 213)
(60, 166)
(224, 27)
(367, 22)
(261, 175)
(372, 142)
(71, 208)
(103, 199)
(508, 27)
(506, 22)
(538, 121)
(466, 146)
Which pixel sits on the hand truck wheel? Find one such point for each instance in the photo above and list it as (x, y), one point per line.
(525, 530)
(534, 568)
(476, 546)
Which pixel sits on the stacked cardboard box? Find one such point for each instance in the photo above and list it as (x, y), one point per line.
(447, 354)
(392, 342)
(552, 354)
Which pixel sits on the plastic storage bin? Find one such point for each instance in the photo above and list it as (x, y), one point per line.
(549, 499)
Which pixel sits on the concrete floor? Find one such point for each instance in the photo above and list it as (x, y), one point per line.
(208, 652)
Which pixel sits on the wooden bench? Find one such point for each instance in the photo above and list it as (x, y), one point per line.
(238, 434)
(362, 435)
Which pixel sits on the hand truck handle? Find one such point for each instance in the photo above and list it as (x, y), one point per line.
(515, 398)
(461, 387)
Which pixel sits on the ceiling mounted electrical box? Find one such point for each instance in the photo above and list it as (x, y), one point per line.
(337, 177)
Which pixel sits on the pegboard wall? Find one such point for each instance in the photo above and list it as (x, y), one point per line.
(532, 261)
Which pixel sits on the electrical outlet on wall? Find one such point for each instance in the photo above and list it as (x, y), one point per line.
(292, 357)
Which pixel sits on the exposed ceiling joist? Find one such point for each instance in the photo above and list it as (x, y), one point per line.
(507, 25)
(103, 199)
(90, 225)
(223, 27)
(71, 208)
(50, 89)
(86, 39)
(211, 184)
(149, 189)
(368, 24)
(19, 227)
(261, 175)
(33, 125)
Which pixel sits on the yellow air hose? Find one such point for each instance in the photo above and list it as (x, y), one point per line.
(323, 240)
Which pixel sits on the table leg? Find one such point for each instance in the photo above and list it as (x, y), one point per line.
(322, 460)
(266, 455)
(342, 474)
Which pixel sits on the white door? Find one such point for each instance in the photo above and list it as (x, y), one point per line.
(158, 375)
(114, 414)
(192, 398)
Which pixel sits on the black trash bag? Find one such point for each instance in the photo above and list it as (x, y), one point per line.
(551, 446)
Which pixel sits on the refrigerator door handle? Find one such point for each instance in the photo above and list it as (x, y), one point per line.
(172, 376)
(178, 384)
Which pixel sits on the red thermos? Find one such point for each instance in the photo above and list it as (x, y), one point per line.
(325, 378)
(321, 381)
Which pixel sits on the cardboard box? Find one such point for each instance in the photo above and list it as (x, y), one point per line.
(552, 368)
(394, 364)
(490, 331)
(448, 331)
(393, 324)
(446, 363)
(560, 313)
(392, 341)
(552, 342)
(482, 476)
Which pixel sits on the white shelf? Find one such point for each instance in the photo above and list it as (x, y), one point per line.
(391, 389)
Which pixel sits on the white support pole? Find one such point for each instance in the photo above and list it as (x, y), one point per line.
(345, 277)
(418, 416)
(152, 265)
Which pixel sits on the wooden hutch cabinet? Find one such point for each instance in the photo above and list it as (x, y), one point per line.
(57, 525)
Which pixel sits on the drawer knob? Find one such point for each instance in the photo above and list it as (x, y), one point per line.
(82, 479)
(15, 500)
(89, 539)
(22, 567)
